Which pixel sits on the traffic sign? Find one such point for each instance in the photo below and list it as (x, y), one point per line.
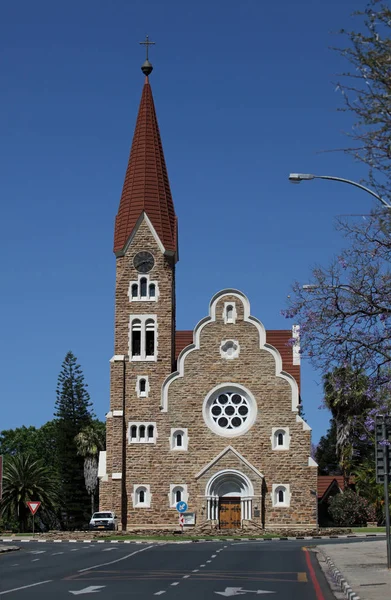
(382, 447)
(181, 520)
(33, 506)
(181, 506)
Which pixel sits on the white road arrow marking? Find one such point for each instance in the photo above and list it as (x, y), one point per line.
(91, 589)
(234, 591)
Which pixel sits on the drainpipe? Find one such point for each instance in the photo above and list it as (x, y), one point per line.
(124, 497)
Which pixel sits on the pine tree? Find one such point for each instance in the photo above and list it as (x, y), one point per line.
(74, 414)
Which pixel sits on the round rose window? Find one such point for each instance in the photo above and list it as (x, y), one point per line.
(230, 410)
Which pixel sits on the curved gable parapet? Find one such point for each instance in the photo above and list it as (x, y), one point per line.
(262, 345)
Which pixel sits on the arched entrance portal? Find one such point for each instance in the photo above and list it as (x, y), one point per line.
(229, 495)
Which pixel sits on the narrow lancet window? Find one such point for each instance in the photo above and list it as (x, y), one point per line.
(136, 337)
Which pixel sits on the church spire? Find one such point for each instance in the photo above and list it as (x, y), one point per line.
(146, 187)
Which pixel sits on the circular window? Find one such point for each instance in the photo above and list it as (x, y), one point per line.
(230, 411)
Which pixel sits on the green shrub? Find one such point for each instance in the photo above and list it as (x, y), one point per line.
(351, 509)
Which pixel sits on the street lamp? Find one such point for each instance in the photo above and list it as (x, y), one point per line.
(299, 177)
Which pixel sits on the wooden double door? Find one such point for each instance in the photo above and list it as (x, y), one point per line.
(229, 513)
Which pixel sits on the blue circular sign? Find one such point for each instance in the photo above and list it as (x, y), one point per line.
(181, 506)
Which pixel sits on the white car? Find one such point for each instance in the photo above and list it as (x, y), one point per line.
(104, 520)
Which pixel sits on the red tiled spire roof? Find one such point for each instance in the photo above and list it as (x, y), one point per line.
(146, 187)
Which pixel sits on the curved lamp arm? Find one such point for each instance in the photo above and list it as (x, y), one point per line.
(299, 177)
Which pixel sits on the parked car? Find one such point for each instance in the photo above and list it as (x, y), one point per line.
(104, 520)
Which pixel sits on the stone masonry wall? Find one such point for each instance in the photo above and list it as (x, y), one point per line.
(158, 466)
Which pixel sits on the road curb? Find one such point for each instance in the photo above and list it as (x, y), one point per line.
(179, 541)
(339, 579)
(8, 548)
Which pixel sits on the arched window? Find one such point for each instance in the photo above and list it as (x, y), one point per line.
(143, 385)
(136, 337)
(280, 438)
(230, 313)
(141, 496)
(142, 433)
(149, 337)
(281, 495)
(143, 287)
(179, 439)
(178, 493)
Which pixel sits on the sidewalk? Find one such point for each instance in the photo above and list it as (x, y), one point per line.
(364, 567)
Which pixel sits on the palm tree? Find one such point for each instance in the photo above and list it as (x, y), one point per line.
(346, 396)
(24, 479)
(89, 442)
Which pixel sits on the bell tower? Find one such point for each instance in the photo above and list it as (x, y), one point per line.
(146, 250)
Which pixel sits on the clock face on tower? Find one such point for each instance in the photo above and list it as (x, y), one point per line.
(143, 262)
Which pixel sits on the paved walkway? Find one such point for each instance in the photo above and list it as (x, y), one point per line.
(364, 566)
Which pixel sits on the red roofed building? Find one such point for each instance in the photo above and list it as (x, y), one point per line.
(209, 417)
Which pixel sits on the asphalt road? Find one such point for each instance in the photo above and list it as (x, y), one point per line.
(189, 571)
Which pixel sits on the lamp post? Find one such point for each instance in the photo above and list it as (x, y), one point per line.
(299, 177)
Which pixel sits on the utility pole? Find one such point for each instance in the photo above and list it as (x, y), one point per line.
(382, 440)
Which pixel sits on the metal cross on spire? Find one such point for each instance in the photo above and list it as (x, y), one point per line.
(147, 43)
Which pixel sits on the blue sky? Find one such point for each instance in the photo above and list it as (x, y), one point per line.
(245, 93)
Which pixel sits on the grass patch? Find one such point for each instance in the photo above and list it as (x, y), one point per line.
(368, 529)
(4, 535)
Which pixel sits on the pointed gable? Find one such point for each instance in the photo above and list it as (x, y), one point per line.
(146, 187)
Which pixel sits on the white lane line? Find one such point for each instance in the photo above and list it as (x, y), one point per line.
(214, 555)
(57, 541)
(112, 562)
(35, 559)
(74, 549)
(37, 552)
(175, 583)
(108, 549)
(57, 553)
(195, 570)
(87, 541)
(24, 587)
(202, 565)
(208, 561)
(185, 576)
(15, 565)
(159, 593)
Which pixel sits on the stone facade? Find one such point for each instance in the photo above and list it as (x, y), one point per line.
(243, 465)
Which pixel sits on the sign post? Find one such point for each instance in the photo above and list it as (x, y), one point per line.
(383, 466)
(181, 508)
(1, 476)
(33, 506)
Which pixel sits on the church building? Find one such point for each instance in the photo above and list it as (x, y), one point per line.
(209, 416)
